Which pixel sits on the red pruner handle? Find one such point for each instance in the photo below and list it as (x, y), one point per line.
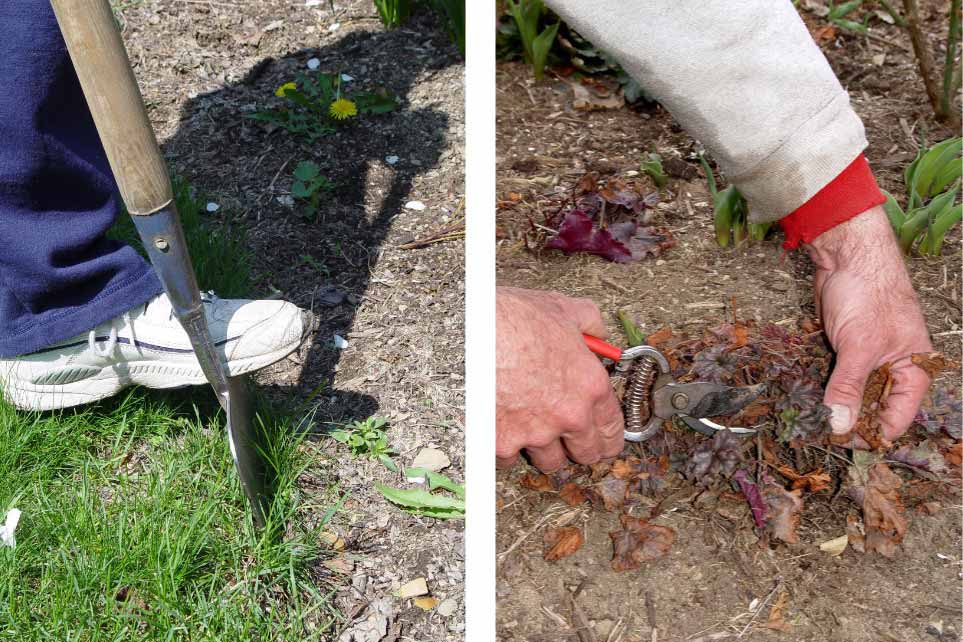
(602, 348)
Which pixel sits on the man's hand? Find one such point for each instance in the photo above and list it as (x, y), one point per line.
(554, 399)
(871, 315)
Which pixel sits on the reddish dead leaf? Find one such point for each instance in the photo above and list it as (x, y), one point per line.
(874, 401)
(659, 337)
(824, 34)
(777, 613)
(625, 468)
(561, 542)
(883, 512)
(588, 183)
(955, 454)
(639, 541)
(933, 363)
(572, 494)
(611, 492)
(813, 482)
(855, 534)
(541, 483)
(600, 469)
(783, 508)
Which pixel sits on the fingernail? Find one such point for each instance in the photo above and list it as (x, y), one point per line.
(841, 419)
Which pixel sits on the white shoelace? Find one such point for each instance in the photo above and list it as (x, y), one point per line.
(108, 349)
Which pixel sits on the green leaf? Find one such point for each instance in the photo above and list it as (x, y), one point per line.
(758, 231)
(653, 167)
(713, 187)
(374, 103)
(540, 48)
(893, 211)
(306, 170)
(633, 335)
(840, 10)
(388, 462)
(300, 190)
(340, 435)
(437, 480)
(933, 162)
(421, 500)
(852, 26)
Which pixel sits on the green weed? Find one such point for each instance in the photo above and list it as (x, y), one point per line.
(308, 186)
(367, 439)
(316, 103)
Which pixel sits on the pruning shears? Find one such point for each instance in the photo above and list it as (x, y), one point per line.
(652, 395)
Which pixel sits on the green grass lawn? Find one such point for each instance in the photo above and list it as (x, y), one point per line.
(134, 525)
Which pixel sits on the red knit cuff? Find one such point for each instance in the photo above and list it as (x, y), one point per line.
(852, 192)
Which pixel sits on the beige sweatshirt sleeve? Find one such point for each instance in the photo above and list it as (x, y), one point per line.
(742, 76)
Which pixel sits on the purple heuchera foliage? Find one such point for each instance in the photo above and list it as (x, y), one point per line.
(751, 492)
(619, 242)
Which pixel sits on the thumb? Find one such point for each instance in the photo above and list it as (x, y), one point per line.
(586, 315)
(844, 394)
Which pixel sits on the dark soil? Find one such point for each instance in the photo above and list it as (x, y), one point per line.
(202, 67)
(703, 589)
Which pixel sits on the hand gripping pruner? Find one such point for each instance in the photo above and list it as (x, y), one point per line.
(652, 395)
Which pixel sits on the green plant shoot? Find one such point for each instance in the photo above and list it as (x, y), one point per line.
(308, 186)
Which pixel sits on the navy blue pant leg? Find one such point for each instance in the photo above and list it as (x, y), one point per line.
(59, 275)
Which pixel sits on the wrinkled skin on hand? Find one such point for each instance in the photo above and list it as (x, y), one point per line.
(553, 396)
(871, 316)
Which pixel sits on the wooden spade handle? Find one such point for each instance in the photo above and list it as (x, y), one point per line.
(108, 82)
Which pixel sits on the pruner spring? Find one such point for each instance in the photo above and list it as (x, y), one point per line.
(652, 395)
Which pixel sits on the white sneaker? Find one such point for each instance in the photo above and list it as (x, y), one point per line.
(147, 346)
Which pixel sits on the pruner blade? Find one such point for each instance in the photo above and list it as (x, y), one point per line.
(694, 402)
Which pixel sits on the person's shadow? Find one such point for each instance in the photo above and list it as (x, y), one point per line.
(221, 151)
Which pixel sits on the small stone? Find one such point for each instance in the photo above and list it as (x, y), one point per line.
(414, 588)
(312, 3)
(346, 78)
(415, 205)
(431, 459)
(340, 342)
(212, 207)
(335, 26)
(391, 160)
(313, 63)
(447, 608)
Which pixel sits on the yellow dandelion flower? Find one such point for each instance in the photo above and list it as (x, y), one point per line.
(343, 108)
(283, 89)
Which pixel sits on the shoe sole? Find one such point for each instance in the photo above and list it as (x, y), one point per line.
(92, 384)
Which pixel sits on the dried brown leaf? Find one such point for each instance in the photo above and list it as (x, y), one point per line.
(611, 492)
(625, 468)
(783, 508)
(883, 512)
(933, 363)
(562, 542)
(639, 541)
(955, 454)
(659, 337)
(777, 613)
(572, 494)
(868, 425)
(541, 483)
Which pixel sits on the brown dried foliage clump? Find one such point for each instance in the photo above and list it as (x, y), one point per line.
(639, 541)
(794, 443)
